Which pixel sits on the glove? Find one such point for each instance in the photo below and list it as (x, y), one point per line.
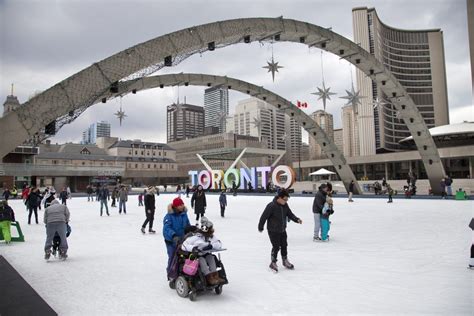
(176, 239)
(208, 247)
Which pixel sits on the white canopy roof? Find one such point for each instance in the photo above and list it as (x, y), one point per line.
(321, 172)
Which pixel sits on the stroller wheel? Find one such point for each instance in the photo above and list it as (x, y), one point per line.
(172, 284)
(182, 287)
(218, 289)
(192, 296)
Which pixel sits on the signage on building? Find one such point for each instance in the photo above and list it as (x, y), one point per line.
(281, 176)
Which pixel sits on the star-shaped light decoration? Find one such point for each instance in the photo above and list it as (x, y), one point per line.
(353, 98)
(120, 115)
(324, 94)
(379, 103)
(283, 137)
(273, 67)
(222, 116)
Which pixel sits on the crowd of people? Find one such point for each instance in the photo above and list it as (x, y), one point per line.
(178, 233)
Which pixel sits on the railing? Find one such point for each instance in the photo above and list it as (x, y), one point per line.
(16, 169)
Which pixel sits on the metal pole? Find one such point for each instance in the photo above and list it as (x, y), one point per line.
(299, 161)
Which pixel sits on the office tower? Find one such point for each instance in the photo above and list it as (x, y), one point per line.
(184, 121)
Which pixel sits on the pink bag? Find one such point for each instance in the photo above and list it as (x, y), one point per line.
(190, 266)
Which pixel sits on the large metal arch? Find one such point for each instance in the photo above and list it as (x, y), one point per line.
(184, 79)
(81, 89)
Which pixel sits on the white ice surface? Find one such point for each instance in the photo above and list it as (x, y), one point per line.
(409, 257)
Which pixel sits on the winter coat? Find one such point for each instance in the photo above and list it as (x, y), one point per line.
(63, 195)
(56, 213)
(276, 216)
(6, 213)
(201, 242)
(223, 199)
(448, 181)
(327, 208)
(103, 194)
(198, 202)
(6, 194)
(150, 201)
(49, 199)
(351, 187)
(123, 195)
(89, 190)
(174, 223)
(33, 200)
(319, 200)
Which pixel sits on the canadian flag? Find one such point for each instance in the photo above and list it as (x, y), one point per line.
(302, 104)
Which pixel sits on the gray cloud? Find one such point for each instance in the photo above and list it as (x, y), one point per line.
(43, 42)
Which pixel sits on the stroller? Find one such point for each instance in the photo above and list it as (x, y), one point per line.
(189, 285)
(57, 240)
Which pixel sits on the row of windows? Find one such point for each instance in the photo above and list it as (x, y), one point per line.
(423, 58)
(406, 71)
(130, 152)
(407, 65)
(413, 78)
(407, 52)
(147, 166)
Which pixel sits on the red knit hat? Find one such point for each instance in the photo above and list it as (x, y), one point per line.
(177, 202)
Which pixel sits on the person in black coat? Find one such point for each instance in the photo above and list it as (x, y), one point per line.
(318, 204)
(6, 194)
(275, 215)
(32, 202)
(149, 210)
(351, 190)
(198, 203)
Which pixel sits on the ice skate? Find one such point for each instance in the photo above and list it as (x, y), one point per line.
(62, 255)
(470, 267)
(151, 231)
(47, 254)
(316, 239)
(287, 264)
(273, 266)
(143, 230)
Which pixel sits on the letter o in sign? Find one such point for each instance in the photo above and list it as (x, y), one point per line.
(280, 171)
(204, 179)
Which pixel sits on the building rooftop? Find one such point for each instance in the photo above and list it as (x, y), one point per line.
(139, 144)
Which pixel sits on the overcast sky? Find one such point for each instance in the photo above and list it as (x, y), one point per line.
(44, 42)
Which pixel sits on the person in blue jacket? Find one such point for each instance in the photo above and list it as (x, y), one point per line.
(174, 225)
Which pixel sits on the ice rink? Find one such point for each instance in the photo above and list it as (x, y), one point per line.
(409, 257)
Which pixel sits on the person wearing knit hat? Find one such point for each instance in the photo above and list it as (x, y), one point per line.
(203, 241)
(175, 223)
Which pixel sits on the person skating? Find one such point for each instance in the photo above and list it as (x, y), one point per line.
(198, 203)
(318, 204)
(7, 216)
(188, 189)
(471, 261)
(234, 188)
(390, 193)
(203, 241)
(103, 197)
(49, 197)
(33, 201)
(56, 217)
(123, 198)
(14, 192)
(223, 202)
(149, 210)
(275, 215)
(89, 192)
(114, 197)
(325, 213)
(6, 194)
(351, 190)
(174, 224)
(140, 199)
(63, 196)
